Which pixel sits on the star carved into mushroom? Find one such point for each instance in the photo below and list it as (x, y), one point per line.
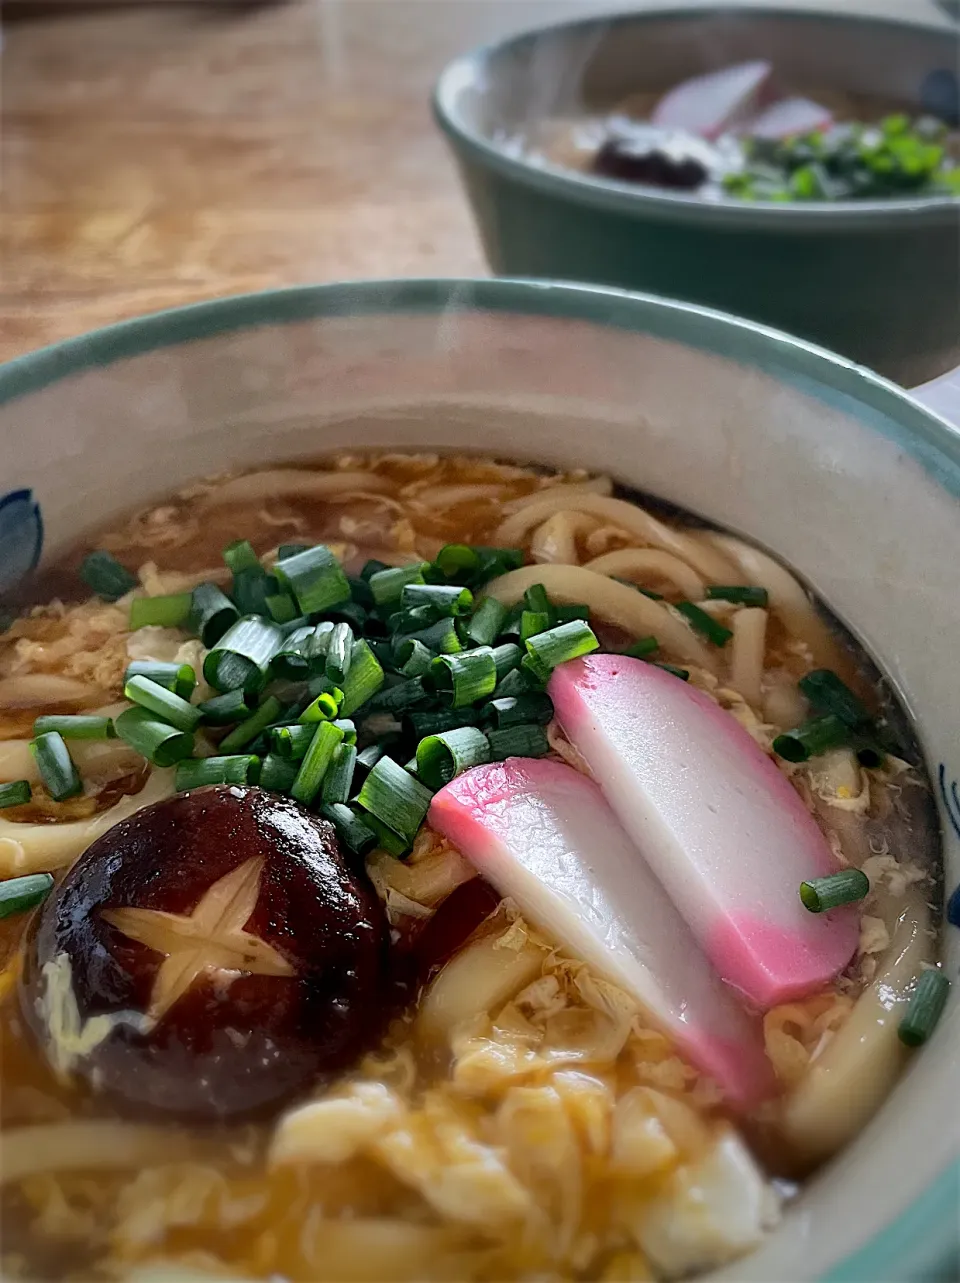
(211, 941)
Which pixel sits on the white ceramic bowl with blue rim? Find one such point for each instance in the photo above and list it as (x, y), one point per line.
(839, 473)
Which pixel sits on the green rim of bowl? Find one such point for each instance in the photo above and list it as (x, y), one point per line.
(624, 198)
(924, 1238)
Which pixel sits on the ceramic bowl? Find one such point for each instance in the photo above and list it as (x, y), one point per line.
(849, 481)
(878, 281)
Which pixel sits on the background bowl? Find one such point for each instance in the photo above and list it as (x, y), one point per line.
(878, 281)
(847, 479)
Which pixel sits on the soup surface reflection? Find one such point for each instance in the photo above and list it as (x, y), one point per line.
(484, 956)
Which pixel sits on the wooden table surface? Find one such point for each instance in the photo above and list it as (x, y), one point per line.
(158, 155)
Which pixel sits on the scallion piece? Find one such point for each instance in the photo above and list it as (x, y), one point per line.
(288, 550)
(197, 772)
(212, 613)
(534, 709)
(516, 682)
(389, 841)
(370, 568)
(493, 562)
(467, 677)
(643, 647)
(247, 731)
(360, 593)
(315, 763)
(292, 742)
(251, 590)
(223, 710)
(324, 707)
(829, 694)
(844, 887)
(162, 702)
(157, 741)
(483, 627)
(565, 641)
(443, 756)
(339, 653)
(364, 678)
(518, 741)
(536, 671)
(291, 660)
(179, 678)
(315, 578)
(439, 599)
(368, 757)
(506, 658)
(59, 775)
(240, 555)
(18, 895)
(533, 622)
(812, 738)
(282, 608)
(317, 645)
(349, 612)
(457, 561)
(535, 599)
(277, 773)
(402, 696)
(413, 657)
(703, 623)
(160, 612)
(395, 798)
(682, 674)
(338, 780)
(18, 793)
(575, 610)
(242, 656)
(647, 592)
(348, 728)
(441, 638)
(354, 833)
(79, 727)
(926, 1007)
(739, 594)
(387, 585)
(435, 723)
(103, 573)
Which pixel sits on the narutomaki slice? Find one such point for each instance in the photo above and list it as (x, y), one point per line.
(709, 105)
(542, 834)
(788, 118)
(721, 827)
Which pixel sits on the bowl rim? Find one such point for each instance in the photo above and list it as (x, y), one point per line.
(923, 1238)
(625, 198)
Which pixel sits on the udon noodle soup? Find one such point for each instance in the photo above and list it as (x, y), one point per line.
(472, 873)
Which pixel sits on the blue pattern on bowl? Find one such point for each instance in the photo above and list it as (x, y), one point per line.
(21, 537)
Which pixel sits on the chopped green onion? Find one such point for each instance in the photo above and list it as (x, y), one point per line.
(483, 628)
(179, 678)
(315, 763)
(519, 710)
(323, 708)
(282, 608)
(457, 561)
(242, 656)
(576, 610)
(535, 599)
(368, 757)
(315, 578)
(339, 777)
(370, 568)
(565, 641)
(251, 590)
(355, 835)
(398, 698)
(846, 886)
(494, 562)
(292, 742)
(17, 793)
(239, 555)
(339, 653)
(516, 682)
(157, 741)
(17, 895)
(103, 573)
(506, 658)
(536, 672)
(439, 599)
(211, 613)
(533, 622)
(78, 727)
(162, 702)
(277, 773)
(160, 612)
(435, 723)
(288, 550)
(683, 674)
(197, 772)
(643, 647)
(360, 592)
(441, 638)
(468, 677)
(740, 595)
(413, 657)
(395, 798)
(703, 623)
(223, 710)
(291, 660)
(518, 741)
(829, 694)
(364, 678)
(56, 767)
(812, 738)
(350, 613)
(442, 757)
(926, 1007)
(389, 841)
(387, 585)
(318, 644)
(348, 728)
(247, 731)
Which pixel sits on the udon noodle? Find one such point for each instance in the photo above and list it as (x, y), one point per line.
(521, 1116)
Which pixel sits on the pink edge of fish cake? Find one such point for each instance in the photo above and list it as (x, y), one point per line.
(543, 834)
(788, 118)
(721, 827)
(710, 104)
